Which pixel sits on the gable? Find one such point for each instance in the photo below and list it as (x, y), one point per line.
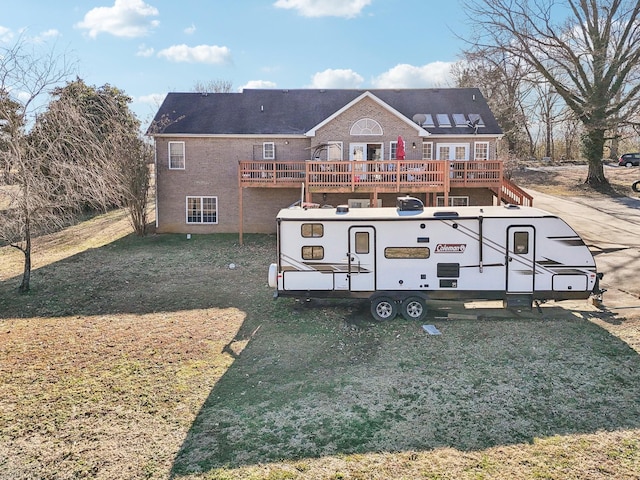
(368, 95)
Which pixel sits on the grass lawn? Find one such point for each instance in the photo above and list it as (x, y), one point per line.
(150, 358)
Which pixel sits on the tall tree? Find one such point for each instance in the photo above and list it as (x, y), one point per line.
(587, 50)
(503, 81)
(59, 154)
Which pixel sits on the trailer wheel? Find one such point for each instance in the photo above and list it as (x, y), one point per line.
(636, 186)
(383, 309)
(414, 308)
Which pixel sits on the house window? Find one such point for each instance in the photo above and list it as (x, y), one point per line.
(481, 150)
(268, 151)
(459, 119)
(427, 151)
(393, 150)
(476, 119)
(334, 151)
(454, 201)
(451, 151)
(202, 209)
(312, 252)
(366, 126)
(176, 155)
(443, 120)
(428, 120)
(312, 230)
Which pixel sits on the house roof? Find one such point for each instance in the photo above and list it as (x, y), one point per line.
(299, 112)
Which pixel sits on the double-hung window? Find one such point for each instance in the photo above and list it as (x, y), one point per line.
(176, 156)
(268, 151)
(481, 150)
(202, 209)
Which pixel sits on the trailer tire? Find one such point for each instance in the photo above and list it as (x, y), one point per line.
(414, 308)
(636, 186)
(383, 308)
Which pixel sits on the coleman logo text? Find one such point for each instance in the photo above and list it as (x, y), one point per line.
(450, 247)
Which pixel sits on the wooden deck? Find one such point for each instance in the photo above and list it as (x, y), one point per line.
(373, 177)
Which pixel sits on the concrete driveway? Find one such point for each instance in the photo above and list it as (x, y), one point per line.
(611, 229)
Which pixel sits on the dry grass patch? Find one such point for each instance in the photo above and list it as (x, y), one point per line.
(106, 396)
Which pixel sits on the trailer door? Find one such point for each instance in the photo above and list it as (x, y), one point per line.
(520, 259)
(361, 259)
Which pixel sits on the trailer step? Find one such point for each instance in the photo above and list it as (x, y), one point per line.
(519, 301)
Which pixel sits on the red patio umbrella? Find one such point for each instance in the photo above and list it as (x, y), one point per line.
(400, 153)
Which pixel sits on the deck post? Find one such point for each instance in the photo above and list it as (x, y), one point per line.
(240, 208)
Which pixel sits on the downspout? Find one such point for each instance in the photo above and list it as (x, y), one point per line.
(155, 174)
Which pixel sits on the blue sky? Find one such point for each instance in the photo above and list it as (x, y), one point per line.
(150, 47)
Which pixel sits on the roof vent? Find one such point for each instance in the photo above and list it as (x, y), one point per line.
(409, 204)
(342, 209)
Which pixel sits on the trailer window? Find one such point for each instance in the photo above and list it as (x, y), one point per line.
(521, 243)
(313, 252)
(407, 252)
(362, 242)
(312, 230)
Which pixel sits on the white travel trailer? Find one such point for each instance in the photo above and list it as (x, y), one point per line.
(401, 257)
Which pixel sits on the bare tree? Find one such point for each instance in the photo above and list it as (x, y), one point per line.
(58, 163)
(590, 56)
(503, 81)
(213, 86)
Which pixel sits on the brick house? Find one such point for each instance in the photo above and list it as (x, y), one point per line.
(227, 162)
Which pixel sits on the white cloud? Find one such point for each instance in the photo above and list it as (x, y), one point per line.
(154, 99)
(409, 76)
(127, 18)
(6, 35)
(336, 78)
(144, 51)
(324, 8)
(199, 54)
(190, 30)
(46, 35)
(258, 84)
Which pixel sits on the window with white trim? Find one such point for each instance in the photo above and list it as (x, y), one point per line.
(453, 151)
(366, 126)
(481, 150)
(454, 201)
(393, 150)
(202, 210)
(427, 151)
(268, 151)
(176, 156)
(334, 151)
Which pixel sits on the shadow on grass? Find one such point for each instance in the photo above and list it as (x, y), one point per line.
(319, 378)
(143, 275)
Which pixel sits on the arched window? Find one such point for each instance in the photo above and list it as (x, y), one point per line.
(366, 126)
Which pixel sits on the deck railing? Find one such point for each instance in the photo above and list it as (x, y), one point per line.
(394, 175)
(384, 176)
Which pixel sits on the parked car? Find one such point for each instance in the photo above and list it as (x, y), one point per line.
(629, 160)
